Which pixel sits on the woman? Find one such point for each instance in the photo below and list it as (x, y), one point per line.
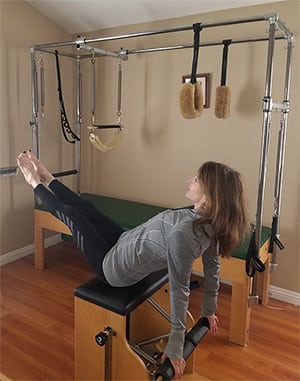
(173, 239)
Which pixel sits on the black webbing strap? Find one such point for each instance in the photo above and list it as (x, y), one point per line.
(226, 43)
(253, 263)
(274, 237)
(197, 29)
(65, 126)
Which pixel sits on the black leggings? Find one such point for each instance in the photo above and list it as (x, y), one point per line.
(94, 232)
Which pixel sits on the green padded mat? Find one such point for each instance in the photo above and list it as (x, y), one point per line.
(129, 214)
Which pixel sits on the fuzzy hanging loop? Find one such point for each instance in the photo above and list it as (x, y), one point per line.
(223, 95)
(191, 96)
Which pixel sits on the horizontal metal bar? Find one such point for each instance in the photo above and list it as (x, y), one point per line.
(204, 44)
(103, 126)
(160, 31)
(64, 54)
(8, 171)
(101, 52)
(66, 173)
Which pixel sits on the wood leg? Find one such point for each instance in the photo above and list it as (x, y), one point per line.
(44, 220)
(240, 313)
(263, 283)
(39, 257)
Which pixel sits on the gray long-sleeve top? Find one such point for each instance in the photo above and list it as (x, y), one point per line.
(168, 240)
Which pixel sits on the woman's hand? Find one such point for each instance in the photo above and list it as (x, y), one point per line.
(178, 366)
(213, 323)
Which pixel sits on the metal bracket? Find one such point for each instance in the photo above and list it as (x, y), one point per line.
(281, 107)
(267, 104)
(253, 299)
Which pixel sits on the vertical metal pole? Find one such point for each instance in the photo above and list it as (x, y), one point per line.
(78, 120)
(34, 96)
(265, 140)
(281, 157)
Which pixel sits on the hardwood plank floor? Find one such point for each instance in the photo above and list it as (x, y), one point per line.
(37, 341)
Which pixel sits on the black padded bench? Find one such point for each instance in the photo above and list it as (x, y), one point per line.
(121, 300)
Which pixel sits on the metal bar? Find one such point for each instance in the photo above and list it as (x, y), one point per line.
(65, 173)
(265, 140)
(159, 31)
(103, 126)
(78, 121)
(143, 354)
(159, 309)
(190, 46)
(152, 340)
(160, 49)
(100, 52)
(34, 96)
(285, 31)
(8, 171)
(179, 29)
(60, 53)
(280, 159)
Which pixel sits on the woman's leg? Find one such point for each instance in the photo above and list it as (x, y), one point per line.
(108, 228)
(93, 245)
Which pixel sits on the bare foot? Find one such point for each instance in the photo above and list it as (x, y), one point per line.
(27, 168)
(41, 170)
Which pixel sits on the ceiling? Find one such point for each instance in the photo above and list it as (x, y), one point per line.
(76, 16)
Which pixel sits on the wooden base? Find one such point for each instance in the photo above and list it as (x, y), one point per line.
(232, 270)
(124, 364)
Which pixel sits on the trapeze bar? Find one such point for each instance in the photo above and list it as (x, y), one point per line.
(8, 171)
(104, 126)
(66, 173)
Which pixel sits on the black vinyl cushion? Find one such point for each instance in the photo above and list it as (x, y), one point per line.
(121, 300)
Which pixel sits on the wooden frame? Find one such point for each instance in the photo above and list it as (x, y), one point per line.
(232, 270)
(205, 81)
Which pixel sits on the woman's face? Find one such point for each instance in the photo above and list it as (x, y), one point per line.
(195, 192)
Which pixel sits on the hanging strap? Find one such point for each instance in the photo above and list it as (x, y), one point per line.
(65, 126)
(253, 263)
(197, 28)
(224, 61)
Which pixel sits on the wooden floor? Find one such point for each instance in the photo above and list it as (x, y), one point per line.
(37, 327)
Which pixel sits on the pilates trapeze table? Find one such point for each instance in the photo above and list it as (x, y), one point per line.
(130, 214)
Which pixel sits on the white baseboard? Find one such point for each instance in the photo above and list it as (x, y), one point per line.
(284, 295)
(27, 250)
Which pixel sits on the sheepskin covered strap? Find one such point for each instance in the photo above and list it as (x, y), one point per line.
(112, 143)
(191, 97)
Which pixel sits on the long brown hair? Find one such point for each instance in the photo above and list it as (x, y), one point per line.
(225, 207)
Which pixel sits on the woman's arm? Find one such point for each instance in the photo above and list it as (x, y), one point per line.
(211, 267)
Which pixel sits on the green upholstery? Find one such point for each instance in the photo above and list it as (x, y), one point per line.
(241, 252)
(129, 214)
